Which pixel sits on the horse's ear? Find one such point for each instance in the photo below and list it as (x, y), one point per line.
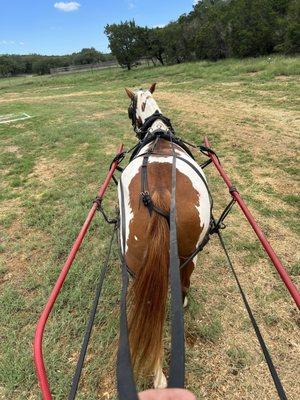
(130, 93)
(152, 88)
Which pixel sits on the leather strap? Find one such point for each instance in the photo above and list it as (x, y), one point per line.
(177, 363)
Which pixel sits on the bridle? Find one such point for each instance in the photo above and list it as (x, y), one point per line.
(141, 129)
(132, 112)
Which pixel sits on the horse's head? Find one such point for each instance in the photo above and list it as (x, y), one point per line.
(142, 105)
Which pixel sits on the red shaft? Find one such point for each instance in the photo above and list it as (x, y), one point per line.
(38, 339)
(273, 256)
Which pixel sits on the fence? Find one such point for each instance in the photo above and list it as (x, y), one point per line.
(85, 67)
(91, 67)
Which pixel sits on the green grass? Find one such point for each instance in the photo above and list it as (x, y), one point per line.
(51, 167)
(238, 357)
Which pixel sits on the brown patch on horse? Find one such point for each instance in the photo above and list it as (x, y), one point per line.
(185, 275)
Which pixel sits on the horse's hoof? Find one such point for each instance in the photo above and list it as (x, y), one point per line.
(185, 302)
(160, 381)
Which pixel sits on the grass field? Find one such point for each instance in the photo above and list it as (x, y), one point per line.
(51, 166)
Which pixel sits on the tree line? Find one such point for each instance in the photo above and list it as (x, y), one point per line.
(213, 30)
(12, 65)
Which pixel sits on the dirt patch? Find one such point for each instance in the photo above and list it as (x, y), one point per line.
(253, 73)
(282, 184)
(7, 205)
(13, 149)
(53, 88)
(19, 259)
(45, 170)
(238, 122)
(104, 114)
(34, 99)
(284, 78)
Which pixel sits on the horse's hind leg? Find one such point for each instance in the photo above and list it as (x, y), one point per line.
(185, 274)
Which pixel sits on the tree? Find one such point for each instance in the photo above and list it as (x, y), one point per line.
(291, 43)
(211, 36)
(6, 66)
(173, 43)
(88, 56)
(125, 43)
(41, 67)
(252, 25)
(151, 42)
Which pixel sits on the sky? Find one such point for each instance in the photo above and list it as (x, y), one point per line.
(63, 27)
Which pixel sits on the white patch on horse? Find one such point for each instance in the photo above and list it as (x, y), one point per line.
(136, 238)
(127, 176)
(204, 201)
(158, 124)
(129, 173)
(151, 105)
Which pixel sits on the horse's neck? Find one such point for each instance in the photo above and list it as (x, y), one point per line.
(158, 124)
(152, 108)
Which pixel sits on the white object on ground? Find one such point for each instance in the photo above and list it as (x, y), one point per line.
(6, 119)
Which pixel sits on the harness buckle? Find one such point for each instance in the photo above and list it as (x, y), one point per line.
(146, 198)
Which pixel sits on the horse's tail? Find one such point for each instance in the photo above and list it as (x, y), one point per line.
(148, 295)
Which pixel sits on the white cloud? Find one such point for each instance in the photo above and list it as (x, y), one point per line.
(67, 7)
(10, 43)
(159, 26)
(7, 42)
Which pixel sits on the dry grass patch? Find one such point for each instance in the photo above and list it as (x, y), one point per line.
(13, 149)
(235, 119)
(46, 170)
(26, 97)
(105, 114)
(19, 259)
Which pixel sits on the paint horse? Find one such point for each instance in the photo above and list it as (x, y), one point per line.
(145, 237)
